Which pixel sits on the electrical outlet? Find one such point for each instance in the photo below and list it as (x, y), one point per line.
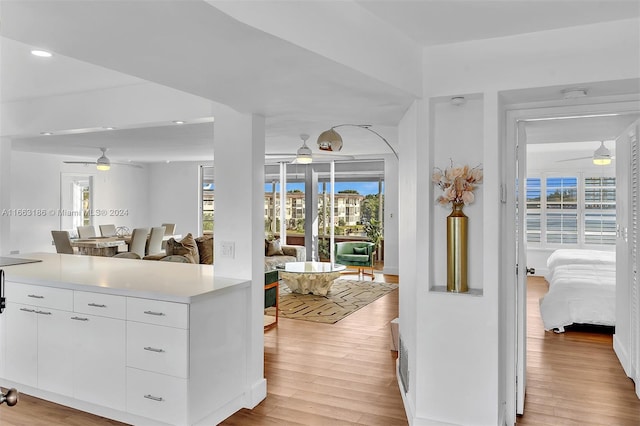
(228, 249)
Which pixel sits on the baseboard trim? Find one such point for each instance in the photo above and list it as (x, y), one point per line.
(257, 393)
(622, 355)
(391, 270)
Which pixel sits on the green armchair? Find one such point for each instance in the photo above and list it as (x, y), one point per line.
(356, 253)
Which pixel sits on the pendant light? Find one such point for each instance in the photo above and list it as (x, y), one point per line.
(304, 152)
(602, 155)
(103, 163)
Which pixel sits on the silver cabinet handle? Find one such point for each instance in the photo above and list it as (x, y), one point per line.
(149, 348)
(96, 305)
(43, 312)
(35, 296)
(27, 310)
(154, 398)
(159, 314)
(80, 319)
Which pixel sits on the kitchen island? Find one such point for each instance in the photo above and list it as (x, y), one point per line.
(136, 341)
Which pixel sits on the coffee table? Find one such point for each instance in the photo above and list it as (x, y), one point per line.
(310, 277)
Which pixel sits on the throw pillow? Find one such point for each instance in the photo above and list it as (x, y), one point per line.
(205, 249)
(274, 249)
(186, 247)
(359, 250)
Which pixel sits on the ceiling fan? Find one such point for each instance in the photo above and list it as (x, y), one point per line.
(601, 156)
(304, 155)
(103, 163)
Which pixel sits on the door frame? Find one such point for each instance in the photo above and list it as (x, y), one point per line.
(515, 113)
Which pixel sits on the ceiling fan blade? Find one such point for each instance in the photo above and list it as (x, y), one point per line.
(613, 157)
(573, 159)
(93, 163)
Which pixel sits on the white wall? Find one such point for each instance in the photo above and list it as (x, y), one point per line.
(391, 216)
(174, 196)
(453, 340)
(36, 187)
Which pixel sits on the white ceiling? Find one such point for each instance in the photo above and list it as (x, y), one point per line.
(298, 91)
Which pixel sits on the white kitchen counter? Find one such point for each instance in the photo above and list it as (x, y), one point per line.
(169, 281)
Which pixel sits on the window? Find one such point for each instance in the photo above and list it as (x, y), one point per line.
(207, 200)
(600, 210)
(562, 210)
(575, 210)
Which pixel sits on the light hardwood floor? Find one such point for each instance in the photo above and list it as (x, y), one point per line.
(573, 378)
(321, 374)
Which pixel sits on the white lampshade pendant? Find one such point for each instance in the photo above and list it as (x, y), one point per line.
(303, 155)
(602, 155)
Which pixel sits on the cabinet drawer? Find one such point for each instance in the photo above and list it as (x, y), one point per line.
(104, 305)
(158, 348)
(156, 396)
(158, 312)
(49, 297)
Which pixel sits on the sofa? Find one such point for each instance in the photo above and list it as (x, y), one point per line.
(187, 250)
(276, 254)
(200, 250)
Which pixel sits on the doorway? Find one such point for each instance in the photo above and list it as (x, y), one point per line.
(518, 117)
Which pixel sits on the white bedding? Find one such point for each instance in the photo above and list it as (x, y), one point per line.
(578, 257)
(580, 293)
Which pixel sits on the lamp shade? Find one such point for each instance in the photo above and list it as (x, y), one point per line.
(303, 155)
(330, 140)
(103, 163)
(602, 155)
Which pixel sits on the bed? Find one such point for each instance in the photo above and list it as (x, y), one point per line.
(582, 287)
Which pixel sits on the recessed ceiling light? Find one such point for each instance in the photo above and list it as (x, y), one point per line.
(458, 100)
(108, 128)
(574, 93)
(178, 122)
(46, 133)
(41, 53)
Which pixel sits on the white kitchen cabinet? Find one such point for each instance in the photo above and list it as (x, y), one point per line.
(99, 360)
(149, 343)
(21, 344)
(55, 348)
(38, 344)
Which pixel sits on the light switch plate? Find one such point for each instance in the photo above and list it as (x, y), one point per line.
(228, 249)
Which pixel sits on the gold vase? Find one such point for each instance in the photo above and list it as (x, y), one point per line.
(457, 250)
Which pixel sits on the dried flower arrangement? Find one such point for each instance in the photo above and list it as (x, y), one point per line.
(457, 183)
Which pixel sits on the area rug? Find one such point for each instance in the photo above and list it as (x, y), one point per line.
(344, 298)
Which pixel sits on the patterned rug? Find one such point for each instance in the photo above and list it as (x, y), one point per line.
(344, 298)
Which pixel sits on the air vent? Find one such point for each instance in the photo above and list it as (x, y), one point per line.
(403, 365)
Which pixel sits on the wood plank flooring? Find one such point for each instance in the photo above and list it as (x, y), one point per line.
(573, 378)
(331, 374)
(344, 373)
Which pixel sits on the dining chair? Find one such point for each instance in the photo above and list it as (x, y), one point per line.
(108, 230)
(169, 228)
(138, 241)
(85, 232)
(62, 242)
(155, 240)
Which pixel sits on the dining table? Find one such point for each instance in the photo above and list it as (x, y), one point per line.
(98, 246)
